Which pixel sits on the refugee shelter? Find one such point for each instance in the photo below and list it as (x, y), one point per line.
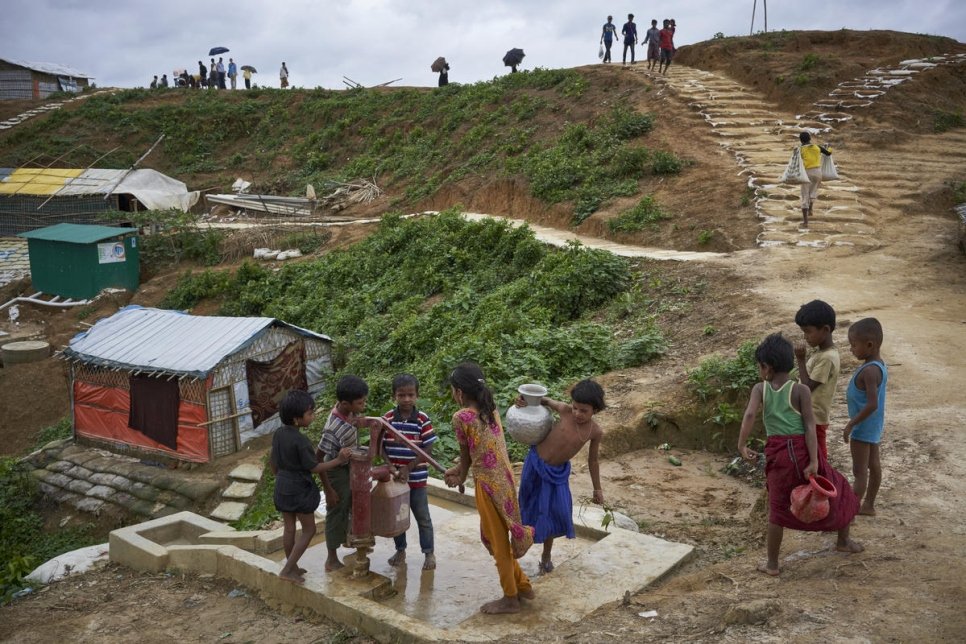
(32, 198)
(23, 80)
(78, 261)
(191, 388)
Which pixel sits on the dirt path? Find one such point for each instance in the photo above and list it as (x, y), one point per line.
(914, 283)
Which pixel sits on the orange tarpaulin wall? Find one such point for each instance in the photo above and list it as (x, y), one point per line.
(101, 413)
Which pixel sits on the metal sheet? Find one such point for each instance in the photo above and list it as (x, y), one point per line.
(169, 341)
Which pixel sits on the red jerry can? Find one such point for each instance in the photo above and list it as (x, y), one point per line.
(390, 508)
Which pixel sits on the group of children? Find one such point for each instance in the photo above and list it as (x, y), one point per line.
(509, 524)
(796, 419)
(795, 414)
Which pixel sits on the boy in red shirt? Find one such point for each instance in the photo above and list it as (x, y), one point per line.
(667, 45)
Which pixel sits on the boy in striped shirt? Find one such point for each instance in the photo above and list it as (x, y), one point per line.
(340, 431)
(406, 465)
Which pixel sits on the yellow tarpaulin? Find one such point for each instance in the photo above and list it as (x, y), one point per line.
(37, 181)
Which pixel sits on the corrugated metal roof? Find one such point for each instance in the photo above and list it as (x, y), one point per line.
(47, 68)
(169, 341)
(77, 233)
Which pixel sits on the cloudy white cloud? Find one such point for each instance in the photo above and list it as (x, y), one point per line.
(373, 41)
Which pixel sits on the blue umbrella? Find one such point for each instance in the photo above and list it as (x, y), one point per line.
(214, 51)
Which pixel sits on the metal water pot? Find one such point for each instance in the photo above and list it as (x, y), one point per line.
(532, 423)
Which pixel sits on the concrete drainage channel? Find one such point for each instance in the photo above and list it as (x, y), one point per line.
(405, 603)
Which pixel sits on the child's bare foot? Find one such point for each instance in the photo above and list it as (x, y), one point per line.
(501, 606)
(430, 563)
(527, 594)
(331, 565)
(867, 510)
(398, 558)
(546, 565)
(764, 567)
(849, 546)
(293, 577)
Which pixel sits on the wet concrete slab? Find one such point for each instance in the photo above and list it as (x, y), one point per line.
(406, 603)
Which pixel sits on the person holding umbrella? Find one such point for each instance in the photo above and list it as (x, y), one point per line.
(513, 58)
(442, 68)
(247, 71)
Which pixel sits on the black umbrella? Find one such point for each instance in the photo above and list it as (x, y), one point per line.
(439, 65)
(249, 68)
(513, 57)
(214, 51)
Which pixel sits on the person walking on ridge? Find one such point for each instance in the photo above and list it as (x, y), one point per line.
(629, 31)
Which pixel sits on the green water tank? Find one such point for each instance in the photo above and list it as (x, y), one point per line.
(78, 261)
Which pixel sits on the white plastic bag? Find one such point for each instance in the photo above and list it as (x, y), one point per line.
(795, 172)
(600, 52)
(829, 171)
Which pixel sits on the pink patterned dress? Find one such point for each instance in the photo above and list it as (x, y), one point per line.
(493, 475)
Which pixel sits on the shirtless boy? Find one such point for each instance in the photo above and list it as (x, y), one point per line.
(545, 499)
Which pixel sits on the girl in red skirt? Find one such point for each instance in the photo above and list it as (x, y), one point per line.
(791, 452)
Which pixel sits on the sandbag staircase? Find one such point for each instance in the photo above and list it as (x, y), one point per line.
(861, 92)
(762, 139)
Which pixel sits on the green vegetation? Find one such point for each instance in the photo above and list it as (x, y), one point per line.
(176, 237)
(24, 543)
(424, 294)
(645, 213)
(729, 380)
(63, 429)
(808, 62)
(959, 191)
(705, 237)
(944, 121)
(411, 139)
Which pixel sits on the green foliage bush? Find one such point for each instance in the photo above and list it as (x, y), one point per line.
(646, 213)
(944, 121)
(424, 294)
(666, 163)
(726, 380)
(171, 236)
(24, 543)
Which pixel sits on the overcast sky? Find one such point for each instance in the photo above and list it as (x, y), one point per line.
(124, 43)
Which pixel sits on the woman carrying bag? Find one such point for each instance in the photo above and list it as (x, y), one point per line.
(812, 160)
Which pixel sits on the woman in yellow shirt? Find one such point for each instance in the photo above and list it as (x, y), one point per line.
(812, 158)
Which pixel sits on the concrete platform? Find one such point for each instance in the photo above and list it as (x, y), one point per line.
(405, 603)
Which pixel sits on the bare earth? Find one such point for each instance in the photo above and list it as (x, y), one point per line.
(908, 585)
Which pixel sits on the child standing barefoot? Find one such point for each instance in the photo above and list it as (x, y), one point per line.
(545, 499)
(340, 432)
(482, 446)
(416, 426)
(866, 400)
(791, 453)
(293, 462)
(818, 369)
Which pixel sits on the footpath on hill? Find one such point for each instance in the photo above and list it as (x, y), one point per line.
(902, 266)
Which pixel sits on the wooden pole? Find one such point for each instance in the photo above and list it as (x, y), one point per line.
(131, 169)
(754, 5)
(85, 170)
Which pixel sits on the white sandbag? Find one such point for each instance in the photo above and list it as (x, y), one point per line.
(829, 171)
(74, 562)
(795, 171)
